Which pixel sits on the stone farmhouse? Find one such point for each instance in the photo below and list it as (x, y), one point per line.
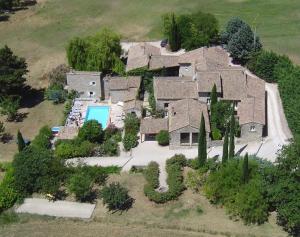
(185, 96)
(117, 89)
(183, 93)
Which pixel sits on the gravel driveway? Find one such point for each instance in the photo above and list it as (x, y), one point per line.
(57, 208)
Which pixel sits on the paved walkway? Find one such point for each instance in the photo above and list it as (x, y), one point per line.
(57, 208)
(278, 135)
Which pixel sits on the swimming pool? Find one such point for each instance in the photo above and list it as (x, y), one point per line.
(99, 113)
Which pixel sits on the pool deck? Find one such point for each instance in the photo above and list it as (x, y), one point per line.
(80, 107)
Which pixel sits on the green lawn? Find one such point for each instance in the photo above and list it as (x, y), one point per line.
(40, 33)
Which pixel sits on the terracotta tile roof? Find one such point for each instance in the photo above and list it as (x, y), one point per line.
(123, 83)
(163, 61)
(131, 94)
(174, 89)
(234, 84)
(191, 56)
(252, 110)
(153, 126)
(187, 112)
(139, 55)
(133, 104)
(206, 81)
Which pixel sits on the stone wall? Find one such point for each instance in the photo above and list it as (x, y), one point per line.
(251, 135)
(175, 137)
(87, 84)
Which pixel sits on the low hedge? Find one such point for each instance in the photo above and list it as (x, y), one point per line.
(8, 194)
(73, 148)
(175, 180)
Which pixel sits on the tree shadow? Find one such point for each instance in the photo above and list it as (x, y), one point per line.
(125, 207)
(4, 17)
(6, 138)
(239, 152)
(20, 117)
(31, 97)
(91, 197)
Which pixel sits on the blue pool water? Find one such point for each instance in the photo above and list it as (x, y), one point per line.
(99, 113)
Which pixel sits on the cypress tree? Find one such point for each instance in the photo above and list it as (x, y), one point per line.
(231, 136)
(202, 146)
(225, 148)
(213, 96)
(21, 142)
(246, 169)
(174, 39)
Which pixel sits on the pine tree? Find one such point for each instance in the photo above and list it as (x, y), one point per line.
(231, 136)
(225, 148)
(202, 146)
(174, 38)
(21, 142)
(246, 169)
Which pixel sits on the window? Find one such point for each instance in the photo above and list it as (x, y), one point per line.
(92, 83)
(166, 105)
(208, 101)
(184, 138)
(252, 128)
(195, 138)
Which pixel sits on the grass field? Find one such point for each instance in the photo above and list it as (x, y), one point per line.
(41, 32)
(177, 218)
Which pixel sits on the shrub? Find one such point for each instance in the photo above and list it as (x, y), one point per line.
(116, 197)
(129, 141)
(163, 138)
(73, 148)
(35, 169)
(110, 147)
(91, 131)
(56, 93)
(225, 186)
(174, 180)
(250, 204)
(112, 131)
(8, 194)
(42, 140)
(216, 134)
(131, 124)
(81, 185)
(263, 65)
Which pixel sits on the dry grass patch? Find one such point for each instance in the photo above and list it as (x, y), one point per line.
(45, 113)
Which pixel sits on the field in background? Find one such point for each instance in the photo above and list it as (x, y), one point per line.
(176, 218)
(41, 32)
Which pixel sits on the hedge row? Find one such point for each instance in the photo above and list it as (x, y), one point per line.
(175, 180)
(66, 149)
